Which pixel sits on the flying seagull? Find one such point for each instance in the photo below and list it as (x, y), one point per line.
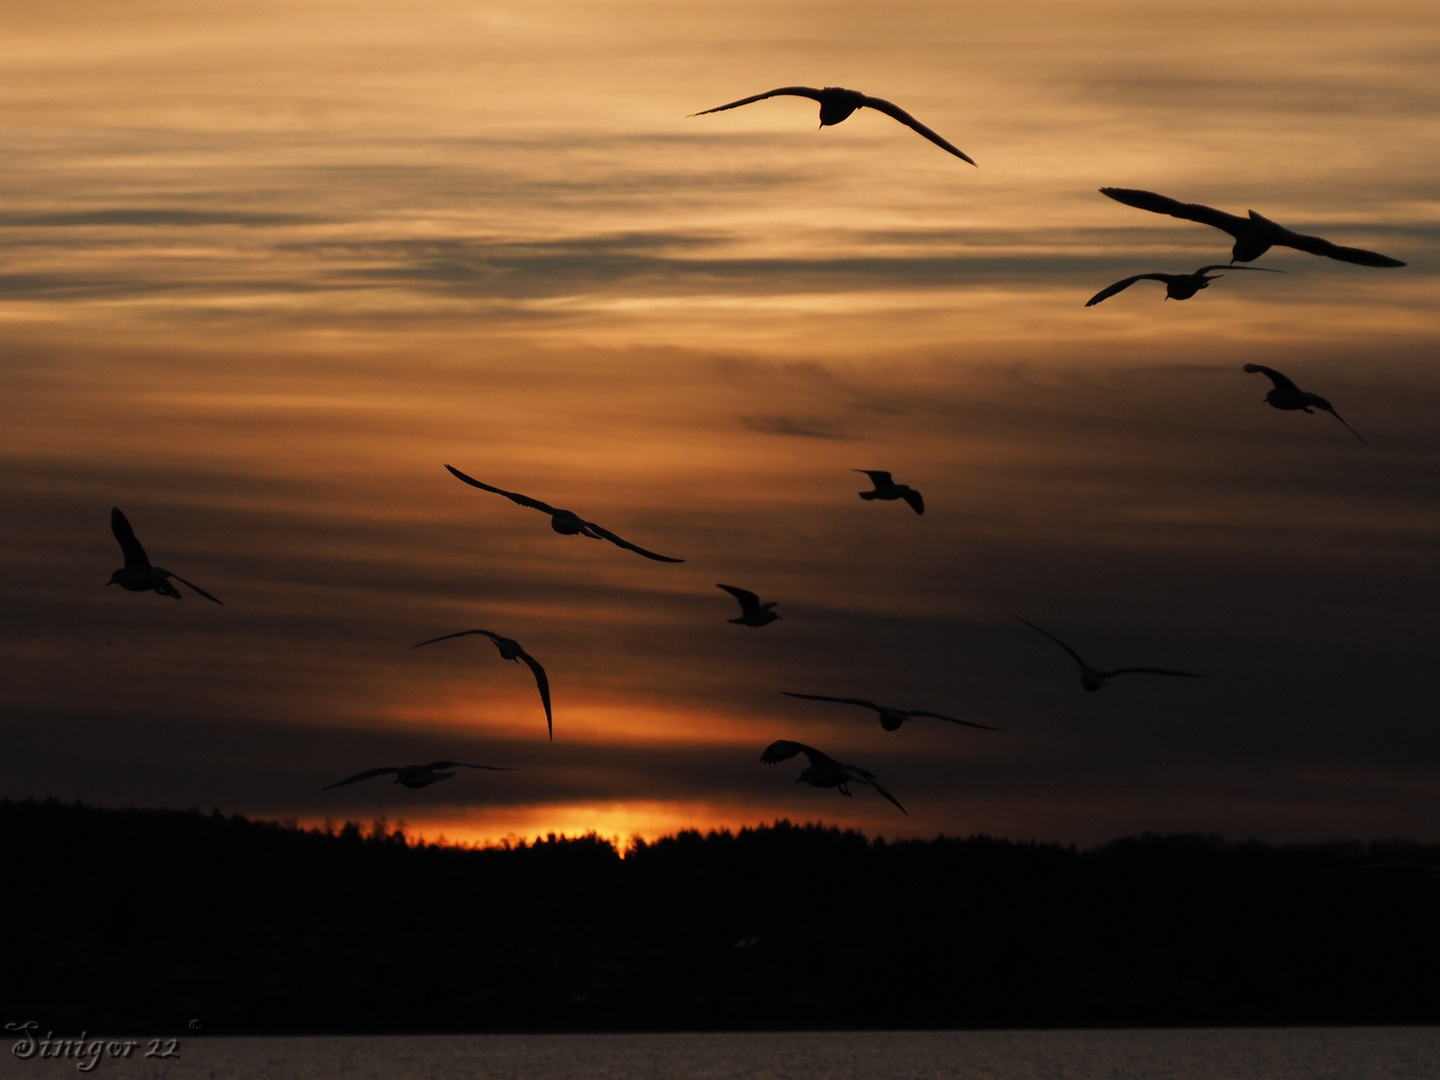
(886, 490)
(823, 770)
(752, 612)
(510, 649)
(1287, 395)
(1093, 678)
(565, 522)
(415, 776)
(1177, 286)
(137, 574)
(836, 103)
(890, 719)
(1254, 235)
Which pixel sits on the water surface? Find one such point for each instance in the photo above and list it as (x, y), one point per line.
(1246, 1054)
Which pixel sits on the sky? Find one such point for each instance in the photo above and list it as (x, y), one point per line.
(266, 268)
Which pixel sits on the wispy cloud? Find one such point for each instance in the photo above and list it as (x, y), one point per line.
(267, 268)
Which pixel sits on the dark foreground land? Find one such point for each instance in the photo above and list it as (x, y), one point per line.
(141, 921)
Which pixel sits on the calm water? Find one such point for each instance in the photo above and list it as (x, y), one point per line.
(1281, 1054)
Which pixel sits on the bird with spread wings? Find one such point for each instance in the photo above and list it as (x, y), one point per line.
(823, 770)
(137, 575)
(887, 490)
(890, 718)
(510, 649)
(752, 611)
(415, 776)
(1286, 395)
(837, 103)
(1093, 678)
(1177, 286)
(565, 522)
(1254, 235)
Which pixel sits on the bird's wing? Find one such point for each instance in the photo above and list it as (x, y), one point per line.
(606, 534)
(207, 596)
(1056, 640)
(135, 558)
(789, 91)
(951, 719)
(513, 496)
(894, 111)
(841, 700)
(1162, 204)
(1320, 403)
(542, 681)
(1232, 266)
(916, 500)
(1150, 671)
(366, 775)
(784, 749)
(1121, 286)
(748, 600)
(865, 776)
(1317, 246)
(1282, 382)
(887, 795)
(458, 633)
(435, 766)
(877, 476)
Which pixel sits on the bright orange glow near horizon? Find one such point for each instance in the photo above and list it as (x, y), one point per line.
(268, 267)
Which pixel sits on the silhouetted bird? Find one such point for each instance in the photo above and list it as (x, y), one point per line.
(1177, 286)
(414, 776)
(890, 719)
(1093, 678)
(837, 103)
(565, 522)
(823, 770)
(1288, 396)
(137, 574)
(886, 490)
(752, 612)
(510, 649)
(1254, 235)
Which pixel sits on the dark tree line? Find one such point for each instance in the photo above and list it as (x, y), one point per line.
(141, 920)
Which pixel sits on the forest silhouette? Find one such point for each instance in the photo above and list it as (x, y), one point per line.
(141, 921)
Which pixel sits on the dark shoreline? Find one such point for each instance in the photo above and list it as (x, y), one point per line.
(143, 920)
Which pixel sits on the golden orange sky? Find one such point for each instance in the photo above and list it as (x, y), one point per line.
(267, 267)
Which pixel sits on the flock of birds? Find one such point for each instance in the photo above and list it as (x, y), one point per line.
(1253, 236)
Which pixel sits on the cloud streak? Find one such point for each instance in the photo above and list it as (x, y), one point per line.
(257, 296)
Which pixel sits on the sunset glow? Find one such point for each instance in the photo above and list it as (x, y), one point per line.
(269, 267)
